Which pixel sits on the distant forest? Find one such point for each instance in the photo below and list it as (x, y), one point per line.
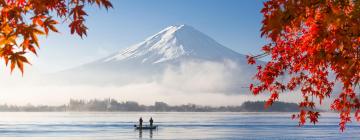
(112, 105)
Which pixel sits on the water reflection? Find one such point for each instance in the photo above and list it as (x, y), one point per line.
(141, 133)
(151, 133)
(177, 126)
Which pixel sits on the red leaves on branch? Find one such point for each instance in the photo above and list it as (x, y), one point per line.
(18, 36)
(313, 116)
(19, 59)
(309, 41)
(251, 60)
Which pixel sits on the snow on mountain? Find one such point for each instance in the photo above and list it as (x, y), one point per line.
(174, 42)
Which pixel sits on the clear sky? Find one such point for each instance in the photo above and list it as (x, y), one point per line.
(233, 23)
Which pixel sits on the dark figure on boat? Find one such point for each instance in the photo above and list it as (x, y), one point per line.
(145, 127)
(140, 122)
(151, 122)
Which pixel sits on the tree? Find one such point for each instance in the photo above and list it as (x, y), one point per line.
(22, 21)
(311, 41)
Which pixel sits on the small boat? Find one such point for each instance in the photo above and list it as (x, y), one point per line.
(145, 127)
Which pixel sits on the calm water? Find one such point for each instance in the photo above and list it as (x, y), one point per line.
(171, 126)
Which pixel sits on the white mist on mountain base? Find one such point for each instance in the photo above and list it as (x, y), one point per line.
(225, 77)
(192, 76)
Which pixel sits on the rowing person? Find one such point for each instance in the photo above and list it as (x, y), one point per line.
(140, 122)
(151, 121)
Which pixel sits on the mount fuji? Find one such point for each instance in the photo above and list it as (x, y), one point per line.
(180, 51)
(172, 44)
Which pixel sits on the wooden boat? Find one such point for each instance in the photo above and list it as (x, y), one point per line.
(145, 127)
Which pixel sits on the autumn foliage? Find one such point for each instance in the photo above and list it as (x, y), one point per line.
(315, 44)
(23, 21)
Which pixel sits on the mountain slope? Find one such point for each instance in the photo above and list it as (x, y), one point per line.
(174, 43)
(178, 57)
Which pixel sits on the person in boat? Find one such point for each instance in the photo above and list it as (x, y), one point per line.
(140, 122)
(151, 121)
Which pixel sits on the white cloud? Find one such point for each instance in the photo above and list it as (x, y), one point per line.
(211, 77)
(205, 83)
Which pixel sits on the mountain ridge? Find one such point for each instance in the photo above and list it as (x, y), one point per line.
(174, 42)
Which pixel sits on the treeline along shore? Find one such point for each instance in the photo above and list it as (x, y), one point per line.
(112, 105)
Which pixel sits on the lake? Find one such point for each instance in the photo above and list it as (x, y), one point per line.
(172, 125)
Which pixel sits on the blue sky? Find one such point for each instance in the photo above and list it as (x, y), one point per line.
(233, 23)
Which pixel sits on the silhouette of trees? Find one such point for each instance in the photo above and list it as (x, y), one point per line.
(112, 105)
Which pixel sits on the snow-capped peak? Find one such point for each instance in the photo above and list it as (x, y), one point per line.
(173, 42)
